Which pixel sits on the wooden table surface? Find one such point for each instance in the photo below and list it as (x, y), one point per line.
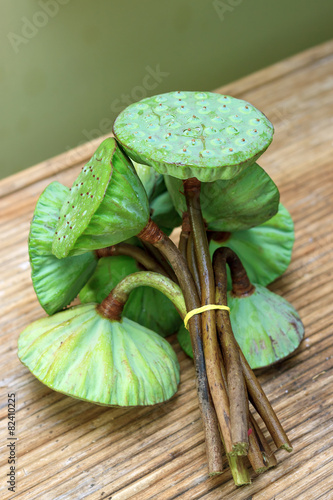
(73, 450)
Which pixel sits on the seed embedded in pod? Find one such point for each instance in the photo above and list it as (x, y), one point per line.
(117, 195)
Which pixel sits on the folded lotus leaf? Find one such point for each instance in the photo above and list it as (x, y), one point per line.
(266, 326)
(106, 205)
(147, 306)
(265, 250)
(194, 134)
(56, 281)
(245, 201)
(82, 354)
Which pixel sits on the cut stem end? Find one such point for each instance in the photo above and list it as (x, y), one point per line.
(240, 449)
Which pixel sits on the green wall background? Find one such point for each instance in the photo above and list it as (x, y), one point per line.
(68, 67)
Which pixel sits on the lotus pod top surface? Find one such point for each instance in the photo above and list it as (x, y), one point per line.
(84, 355)
(194, 134)
(56, 281)
(107, 204)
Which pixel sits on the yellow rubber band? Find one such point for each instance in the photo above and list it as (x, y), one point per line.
(201, 309)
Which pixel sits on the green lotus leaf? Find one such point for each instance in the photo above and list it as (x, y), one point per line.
(56, 281)
(245, 201)
(107, 204)
(194, 134)
(81, 354)
(265, 250)
(147, 306)
(266, 326)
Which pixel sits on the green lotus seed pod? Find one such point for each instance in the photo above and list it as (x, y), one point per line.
(194, 134)
(163, 212)
(107, 204)
(245, 201)
(82, 354)
(149, 178)
(161, 207)
(56, 281)
(146, 306)
(265, 250)
(266, 326)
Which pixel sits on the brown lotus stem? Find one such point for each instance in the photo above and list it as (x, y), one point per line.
(268, 455)
(223, 370)
(260, 402)
(156, 254)
(112, 305)
(136, 253)
(255, 455)
(153, 235)
(255, 452)
(218, 236)
(192, 263)
(184, 235)
(237, 465)
(241, 285)
(111, 308)
(236, 386)
(210, 342)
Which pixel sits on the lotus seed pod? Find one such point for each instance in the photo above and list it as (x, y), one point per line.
(56, 281)
(162, 211)
(245, 201)
(265, 250)
(107, 204)
(194, 134)
(82, 354)
(149, 177)
(266, 326)
(147, 306)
